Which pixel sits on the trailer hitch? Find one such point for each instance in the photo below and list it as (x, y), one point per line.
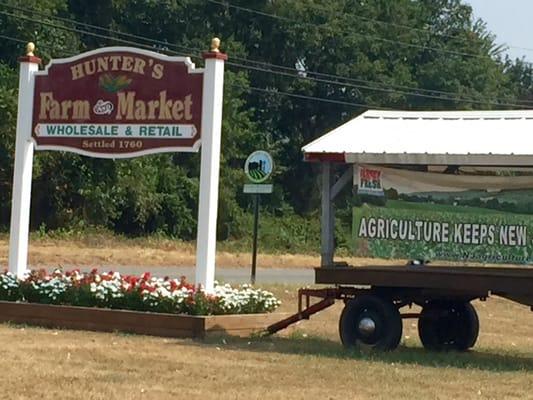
(328, 297)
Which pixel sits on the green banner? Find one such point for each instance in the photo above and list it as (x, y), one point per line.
(460, 214)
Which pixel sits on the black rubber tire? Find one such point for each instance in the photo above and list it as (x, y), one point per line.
(445, 326)
(387, 319)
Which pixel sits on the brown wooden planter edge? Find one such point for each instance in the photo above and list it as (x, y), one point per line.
(139, 322)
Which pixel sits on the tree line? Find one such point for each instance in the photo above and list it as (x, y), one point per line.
(297, 69)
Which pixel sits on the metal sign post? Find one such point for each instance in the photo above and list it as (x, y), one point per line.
(258, 168)
(254, 245)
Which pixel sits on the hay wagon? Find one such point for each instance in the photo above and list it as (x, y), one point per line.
(376, 296)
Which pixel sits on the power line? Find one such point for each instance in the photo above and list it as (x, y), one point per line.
(298, 76)
(270, 91)
(13, 39)
(371, 20)
(82, 32)
(355, 80)
(387, 90)
(377, 38)
(96, 27)
(168, 44)
(520, 48)
(376, 21)
(249, 10)
(302, 96)
(294, 95)
(430, 92)
(357, 17)
(392, 24)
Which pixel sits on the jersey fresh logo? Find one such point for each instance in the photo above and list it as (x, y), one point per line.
(369, 182)
(258, 166)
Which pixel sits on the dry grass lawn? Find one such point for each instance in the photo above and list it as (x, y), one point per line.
(305, 362)
(109, 251)
(106, 251)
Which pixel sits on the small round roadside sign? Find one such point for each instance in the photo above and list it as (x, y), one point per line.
(258, 166)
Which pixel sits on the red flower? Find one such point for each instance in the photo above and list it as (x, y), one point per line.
(146, 276)
(146, 287)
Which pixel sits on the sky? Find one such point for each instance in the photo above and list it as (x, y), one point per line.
(510, 21)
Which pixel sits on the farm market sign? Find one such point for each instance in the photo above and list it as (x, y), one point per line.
(118, 102)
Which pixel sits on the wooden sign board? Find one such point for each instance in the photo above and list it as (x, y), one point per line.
(118, 102)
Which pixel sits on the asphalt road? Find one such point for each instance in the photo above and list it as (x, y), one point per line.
(230, 275)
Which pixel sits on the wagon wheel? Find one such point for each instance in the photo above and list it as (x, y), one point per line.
(369, 321)
(446, 326)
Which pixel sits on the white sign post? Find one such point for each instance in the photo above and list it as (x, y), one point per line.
(21, 199)
(210, 167)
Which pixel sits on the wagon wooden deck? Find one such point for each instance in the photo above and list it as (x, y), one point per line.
(514, 283)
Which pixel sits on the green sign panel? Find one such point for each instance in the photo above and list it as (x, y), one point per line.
(457, 214)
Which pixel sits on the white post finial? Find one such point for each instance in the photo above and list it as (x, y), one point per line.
(215, 45)
(30, 48)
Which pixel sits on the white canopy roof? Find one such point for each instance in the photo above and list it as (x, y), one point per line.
(434, 138)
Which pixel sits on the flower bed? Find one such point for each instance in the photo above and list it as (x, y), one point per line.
(143, 293)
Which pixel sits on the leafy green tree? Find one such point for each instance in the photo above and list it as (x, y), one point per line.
(8, 118)
(405, 54)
